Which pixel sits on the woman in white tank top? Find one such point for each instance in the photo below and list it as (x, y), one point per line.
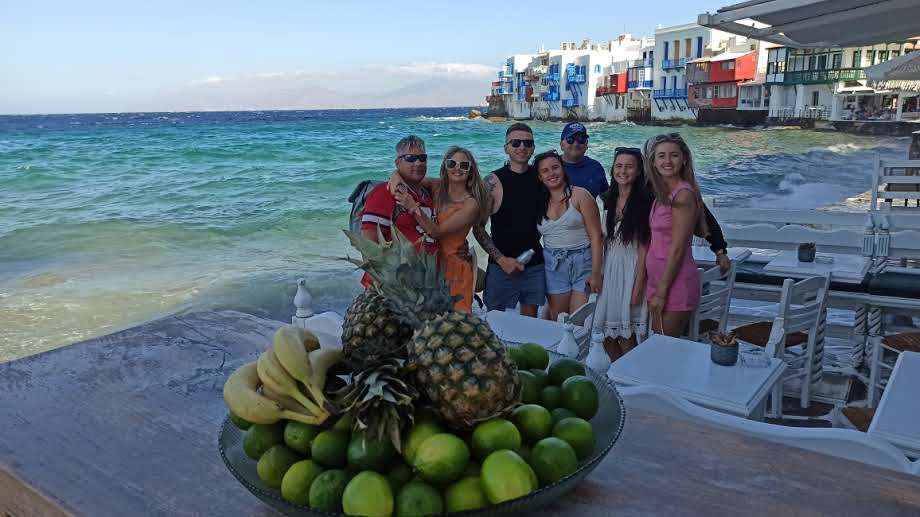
(573, 243)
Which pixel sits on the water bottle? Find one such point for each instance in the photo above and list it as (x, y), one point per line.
(525, 257)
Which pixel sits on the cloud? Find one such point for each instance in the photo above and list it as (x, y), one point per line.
(466, 70)
(210, 80)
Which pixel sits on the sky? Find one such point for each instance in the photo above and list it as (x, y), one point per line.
(90, 56)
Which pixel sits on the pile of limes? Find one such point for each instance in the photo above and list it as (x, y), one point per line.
(437, 471)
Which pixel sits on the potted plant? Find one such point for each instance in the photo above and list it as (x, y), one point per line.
(724, 349)
(807, 252)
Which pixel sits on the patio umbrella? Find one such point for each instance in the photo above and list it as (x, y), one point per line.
(901, 73)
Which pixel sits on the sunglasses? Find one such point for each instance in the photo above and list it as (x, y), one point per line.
(668, 136)
(517, 142)
(464, 166)
(412, 158)
(627, 150)
(581, 138)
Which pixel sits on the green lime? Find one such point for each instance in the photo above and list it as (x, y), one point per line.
(330, 449)
(370, 454)
(326, 490)
(261, 437)
(537, 356)
(563, 369)
(275, 463)
(553, 459)
(239, 422)
(465, 494)
(541, 376)
(493, 435)
(418, 498)
(442, 458)
(295, 486)
(519, 357)
(561, 413)
(578, 433)
(344, 423)
(530, 387)
(506, 476)
(368, 494)
(551, 397)
(423, 429)
(299, 436)
(579, 395)
(534, 422)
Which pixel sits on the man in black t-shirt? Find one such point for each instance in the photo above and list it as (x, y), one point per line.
(514, 213)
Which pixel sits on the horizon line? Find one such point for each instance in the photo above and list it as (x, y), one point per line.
(225, 111)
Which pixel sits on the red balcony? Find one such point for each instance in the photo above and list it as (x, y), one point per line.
(727, 102)
(496, 83)
(740, 68)
(601, 90)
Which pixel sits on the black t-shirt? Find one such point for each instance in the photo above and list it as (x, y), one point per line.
(514, 226)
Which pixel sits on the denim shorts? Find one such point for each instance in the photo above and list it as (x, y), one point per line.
(504, 291)
(567, 270)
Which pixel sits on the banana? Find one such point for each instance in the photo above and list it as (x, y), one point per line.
(321, 360)
(292, 353)
(297, 335)
(242, 397)
(279, 381)
(285, 401)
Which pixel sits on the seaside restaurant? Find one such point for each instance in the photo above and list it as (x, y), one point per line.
(862, 103)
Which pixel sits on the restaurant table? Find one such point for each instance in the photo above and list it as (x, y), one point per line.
(705, 255)
(685, 367)
(897, 417)
(127, 424)
(843, 268)
(512, 327)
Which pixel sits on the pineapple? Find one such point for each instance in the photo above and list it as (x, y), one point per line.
(371, 333)
(456, 360)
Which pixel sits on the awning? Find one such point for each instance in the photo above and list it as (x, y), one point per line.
(819, 23)
(901, 68)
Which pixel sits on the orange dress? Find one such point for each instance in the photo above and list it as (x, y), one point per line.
(457, 271)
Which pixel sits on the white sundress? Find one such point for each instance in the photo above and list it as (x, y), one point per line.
(614, 315)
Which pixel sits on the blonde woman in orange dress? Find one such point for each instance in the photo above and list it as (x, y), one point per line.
(461, 201)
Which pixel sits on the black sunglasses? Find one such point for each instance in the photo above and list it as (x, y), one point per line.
(627, 150)
(517, 142)
(668, 136)
(464, 166)
(581, 138)
(412, 158)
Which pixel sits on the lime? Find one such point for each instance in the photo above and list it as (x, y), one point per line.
(534, 422)
(579, 395)
(344, 424)
(330, 449)
(551, 397)
(563, 369)
(578, 433)
(295, 485)
(553, 459)
(326, 490)
(541, 376)
(493, 435)
(442, 458)
(299, 436)
(506, 476)
(418, 498)
(530, 387)
(465, 494)
(421, 431)
(537, 356)
(561, 413)
(260, 438)
(239, 422)
(275, 463)
(366, 453)
(369, 494)
(519, 357)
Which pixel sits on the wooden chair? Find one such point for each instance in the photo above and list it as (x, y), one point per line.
(801, 322)
(715, 300)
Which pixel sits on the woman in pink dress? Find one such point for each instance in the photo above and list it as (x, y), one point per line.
(673, 288)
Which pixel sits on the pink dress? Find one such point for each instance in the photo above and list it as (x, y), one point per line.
(684, 294)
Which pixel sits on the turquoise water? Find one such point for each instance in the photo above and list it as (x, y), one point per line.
(110, 220)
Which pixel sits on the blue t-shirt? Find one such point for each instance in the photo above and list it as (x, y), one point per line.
(588, 174)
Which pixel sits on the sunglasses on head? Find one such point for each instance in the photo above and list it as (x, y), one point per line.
(581, 138)
(668, 136)
(464, 166)
(517, 142)
(412, 158)
(627, 150)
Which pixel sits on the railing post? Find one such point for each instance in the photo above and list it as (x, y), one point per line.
(303, 302)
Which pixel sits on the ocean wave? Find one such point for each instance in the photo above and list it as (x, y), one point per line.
(424, 118)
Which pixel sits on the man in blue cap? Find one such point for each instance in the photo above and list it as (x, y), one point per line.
(583, 171)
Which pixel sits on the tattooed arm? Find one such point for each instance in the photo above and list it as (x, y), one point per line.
(509, 265)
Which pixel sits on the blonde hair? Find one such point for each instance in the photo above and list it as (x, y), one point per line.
(474, 183)
(660, 187)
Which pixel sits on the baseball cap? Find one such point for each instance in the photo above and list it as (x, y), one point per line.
(573, 128)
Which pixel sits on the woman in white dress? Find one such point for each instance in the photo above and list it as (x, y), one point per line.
(621, 311)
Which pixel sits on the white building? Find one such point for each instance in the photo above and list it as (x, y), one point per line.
(514, 89)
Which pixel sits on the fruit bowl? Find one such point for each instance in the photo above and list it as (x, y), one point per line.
(607, 424)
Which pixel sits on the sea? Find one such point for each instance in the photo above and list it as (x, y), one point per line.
(110, 220)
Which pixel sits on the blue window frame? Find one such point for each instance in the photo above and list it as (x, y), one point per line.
(665, 49)
(699, 46)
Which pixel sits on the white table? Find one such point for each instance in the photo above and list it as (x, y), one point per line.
(704, 254)
(512, 327)
(685, 368)
(843, 268)
(897, 417)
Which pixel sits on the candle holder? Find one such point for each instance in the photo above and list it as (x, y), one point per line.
(807, 252)
(724, 349)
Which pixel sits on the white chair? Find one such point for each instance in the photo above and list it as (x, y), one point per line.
(842, 443)
(894, 344)
(801, 321)
(896, 184)
(715, 301)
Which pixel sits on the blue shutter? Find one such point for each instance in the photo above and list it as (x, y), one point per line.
(699, 46)
(665, 50)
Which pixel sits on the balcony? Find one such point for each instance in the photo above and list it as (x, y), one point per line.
(551, 96)
(638, 84)
(602, 90)
(496, 83)
(532, 78)
(641, 63)
(751, 103)
(675, 63)
(554, 76)
(569, 103)
(824, 76)
(670, 93)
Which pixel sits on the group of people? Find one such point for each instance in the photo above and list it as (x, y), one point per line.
(550, 245)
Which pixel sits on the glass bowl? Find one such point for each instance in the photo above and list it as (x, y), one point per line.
(607, 424)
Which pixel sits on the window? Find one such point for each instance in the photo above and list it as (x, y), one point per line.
(882, 56)
(812, 61)
(894, 54)
(822, 62)
(699, 46)
(857, 59)
(870, 57)
(836, 60)
(597, 69)
(727, 65)
(665, 49)
(677, 49)
(815, 98)
(687, 51)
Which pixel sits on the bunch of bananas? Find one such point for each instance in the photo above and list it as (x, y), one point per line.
(291, 375)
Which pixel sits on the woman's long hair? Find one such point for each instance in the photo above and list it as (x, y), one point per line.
(660, 188)
(474, 183)
(634, 227)
(544, 192)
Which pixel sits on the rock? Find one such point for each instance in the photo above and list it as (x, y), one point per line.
(474, 114)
